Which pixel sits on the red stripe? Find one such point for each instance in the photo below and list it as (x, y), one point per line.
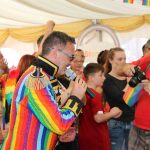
(11, 127)
(20, 135)
(53, 141)
(48, 104)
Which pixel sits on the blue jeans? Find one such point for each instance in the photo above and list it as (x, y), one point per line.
(119, 133)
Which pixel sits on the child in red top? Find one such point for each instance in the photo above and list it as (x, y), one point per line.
(93, 131)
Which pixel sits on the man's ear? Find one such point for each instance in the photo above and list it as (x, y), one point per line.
(54, 53)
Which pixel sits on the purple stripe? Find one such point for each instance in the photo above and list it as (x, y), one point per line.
(34, 146)
(27, 130)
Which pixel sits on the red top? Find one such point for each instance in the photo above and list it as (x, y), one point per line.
(143, 63)
(92, 135)
(142, 111)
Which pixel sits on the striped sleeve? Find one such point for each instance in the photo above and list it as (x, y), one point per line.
(43, 104)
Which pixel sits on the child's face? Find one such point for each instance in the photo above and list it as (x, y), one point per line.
(98, 78)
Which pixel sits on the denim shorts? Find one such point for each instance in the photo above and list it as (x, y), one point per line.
(119, 133)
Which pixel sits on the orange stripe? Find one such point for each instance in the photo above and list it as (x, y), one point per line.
(52, 141)
(20, 135)
(12, 122)
(49, 105)
(51, 109)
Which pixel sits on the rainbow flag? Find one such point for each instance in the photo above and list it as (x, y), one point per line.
(131, 96)
(146, 2)
(128, 1)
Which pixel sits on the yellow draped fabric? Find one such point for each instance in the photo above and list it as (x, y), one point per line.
(27, 34)
(147, 19)
(126, 23)
(73, 29)
(31, 34)
(4, 33)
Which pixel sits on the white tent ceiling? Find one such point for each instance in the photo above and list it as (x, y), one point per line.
(21, 13)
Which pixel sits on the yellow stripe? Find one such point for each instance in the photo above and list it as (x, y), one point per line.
(51, 122)
(50, 63)
(52, 81)
(10, 88)
(56, 87)
(15, 130)
(74, 108)
(49, 141)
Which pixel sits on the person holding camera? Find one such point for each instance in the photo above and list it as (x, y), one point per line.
(113, 87)
(139, 137)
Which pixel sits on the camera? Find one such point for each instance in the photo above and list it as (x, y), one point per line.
(139, 75)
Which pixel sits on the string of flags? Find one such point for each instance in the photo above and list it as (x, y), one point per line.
(144, 2)
(128, 1)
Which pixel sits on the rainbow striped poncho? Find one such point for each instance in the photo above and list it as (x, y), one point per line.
(36, 118)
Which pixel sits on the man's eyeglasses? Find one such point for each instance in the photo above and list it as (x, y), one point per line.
(70, 56)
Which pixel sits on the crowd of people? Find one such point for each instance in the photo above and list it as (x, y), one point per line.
(42, 109)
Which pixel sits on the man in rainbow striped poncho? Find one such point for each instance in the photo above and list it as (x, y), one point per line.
(36, 118)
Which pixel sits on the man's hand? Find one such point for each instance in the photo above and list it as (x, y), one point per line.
(50, 24)
(66, 93)
(79, 88)
(69, 136)
(127, 70)
(146, 85)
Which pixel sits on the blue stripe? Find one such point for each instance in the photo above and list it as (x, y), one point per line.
(67, 114)
(20, 92)
(39, 147)
(43, 138)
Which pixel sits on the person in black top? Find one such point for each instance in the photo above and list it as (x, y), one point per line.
(114, 86)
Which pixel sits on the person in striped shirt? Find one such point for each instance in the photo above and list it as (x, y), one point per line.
(36, 118)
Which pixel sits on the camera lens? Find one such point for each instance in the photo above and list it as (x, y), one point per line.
(133, 82)
(139, 75)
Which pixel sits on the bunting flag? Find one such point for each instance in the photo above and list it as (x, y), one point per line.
(128, 1)
(146, 2)
(131, 96)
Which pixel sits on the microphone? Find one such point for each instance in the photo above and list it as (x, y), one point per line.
(72, 76)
